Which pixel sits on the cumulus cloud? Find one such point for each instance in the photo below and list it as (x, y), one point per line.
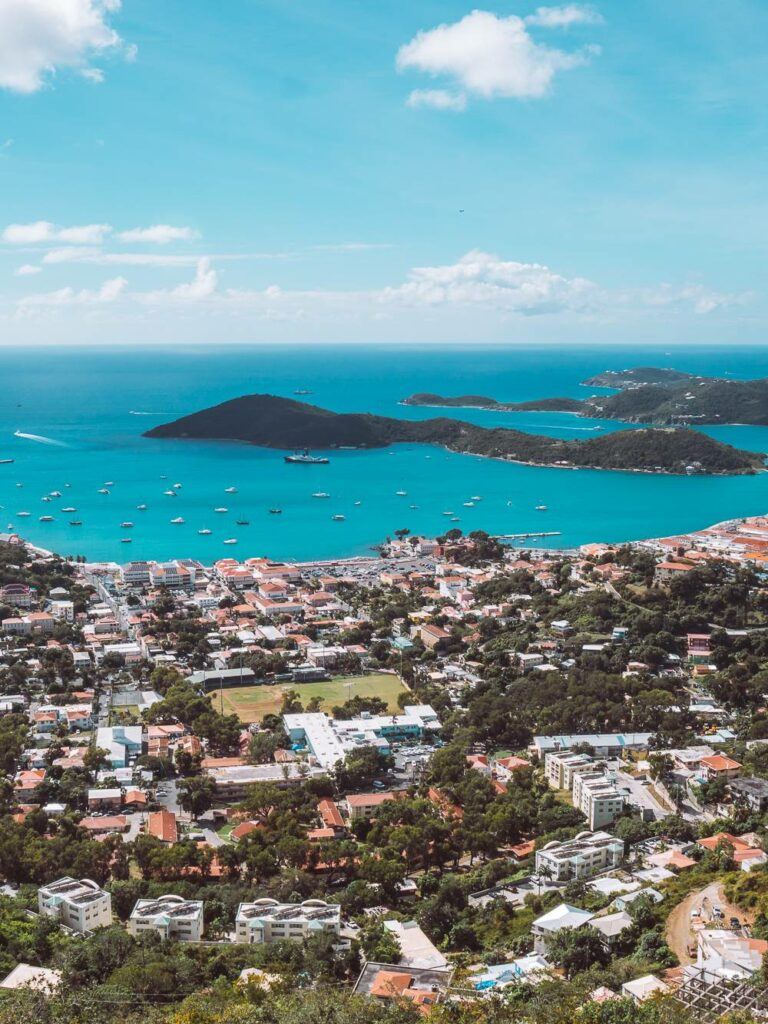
(44, 231)
(159, 234)
(564, 17)
(26, 269)
(39, 37)
(108, 292)
(480, 278)
(488, 56)
(202, 286)
(439, 99)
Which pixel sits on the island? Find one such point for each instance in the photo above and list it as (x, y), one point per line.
(644, 394)
(283, 423)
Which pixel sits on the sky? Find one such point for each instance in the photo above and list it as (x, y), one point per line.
(393, 171)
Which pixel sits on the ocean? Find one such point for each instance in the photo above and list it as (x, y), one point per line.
(82, 413)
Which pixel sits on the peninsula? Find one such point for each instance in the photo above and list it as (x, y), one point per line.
(273, 422)
(644, 394)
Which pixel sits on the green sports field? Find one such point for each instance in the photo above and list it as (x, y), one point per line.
(251, 703)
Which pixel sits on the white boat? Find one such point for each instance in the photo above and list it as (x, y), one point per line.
(222, 509)
(46, 519)
(55, 494)
(447, 513)
(69, 508)
(103, 490)
(171, 494)
(176, 487)
(401, 494)
(23, 513)
(109, 483)
(127, 525)
(177, 521)
(413, 506)
(231, 540)
(321, 494)
(541, 508)
(46, 498)
(230, 490)
(19, 485)
(469, 504)
(204, 533)
(358, 503)
(338, 518)
(476, 497)
(141, 508)
(126, 540)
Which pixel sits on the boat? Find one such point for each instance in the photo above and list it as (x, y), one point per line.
(358, 503)
(275, 511)
(338, 518)
(127, 525)
(302, 391)
(303, 458)
(6, 462)
(75, 522)
(413, 506)
(204, 533)
(171, 494)
(103, 490)
(46, 498)
(69, 508)
(176, 487)
(23, 513)
(46, 519)
(141, 508)
(222, 509)
(19, 485)
(55, 494)
(321, 494)
(230, 490)
(243, 522)
(126, 540)
(177, 521)
(447, 513)
(109, 483)
(476, 497)
(541, 508)
(231, 540)
(455, 519)
(401, 494)
(469, 504)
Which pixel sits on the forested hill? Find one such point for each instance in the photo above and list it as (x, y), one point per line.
(426, 398)
(273, 422)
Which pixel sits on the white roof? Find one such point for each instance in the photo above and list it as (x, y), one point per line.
(562, 916)
(417, 950)
(642, 988)
(42, 979)
(612, 924)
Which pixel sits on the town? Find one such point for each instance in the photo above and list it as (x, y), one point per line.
(460, 778)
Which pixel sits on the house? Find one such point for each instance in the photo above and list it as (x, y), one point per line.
(586, 855)
(366, 805)
(505, 767)
(728, 955)
(162, 825)
(121, 742)
(38, 979)
(718, 766)
(612, 927)
(105, 799)
(665, 572)
(555, 920)
(422, 988)
(104, 824)
(643, 988)
(416, 950)
(80, 905)
(751, 792)
(26, 784)
(432, 635)
(267, 920)
(172, 917)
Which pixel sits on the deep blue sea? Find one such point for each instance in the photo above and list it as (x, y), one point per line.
(87, 410)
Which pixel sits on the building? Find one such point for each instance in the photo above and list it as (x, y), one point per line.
(366, 805)
(422, 988)
(586, 855)
(232, 781)
(560, 767)
(751, 792)
(162, 825)
(329, 740)
(172, 917)
(431, 636)
(604, 744)
(266, 920)
(643, 988)
(555, 920)
(80, 905)
(121, 742)
(718, 766)
(416, 950)
(597, 797)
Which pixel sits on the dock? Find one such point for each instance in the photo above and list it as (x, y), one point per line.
(527, 536)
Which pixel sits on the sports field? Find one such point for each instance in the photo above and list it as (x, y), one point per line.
(251, 703)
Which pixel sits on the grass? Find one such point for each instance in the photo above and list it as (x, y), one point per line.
(252, 703)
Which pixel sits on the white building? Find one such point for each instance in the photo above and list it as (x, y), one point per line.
(561, 766)
(172, 917)
(122, 743)
(604, 744)
(597, 797)
(267, 920)
(80, 905)
(416, 950)
(561, 917)
(586, 855)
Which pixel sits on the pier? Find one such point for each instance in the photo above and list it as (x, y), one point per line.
(527, 536)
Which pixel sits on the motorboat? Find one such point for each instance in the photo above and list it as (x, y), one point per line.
(205, 533)
(46, 519)
(222, 509)
(230, 490)
(126, 540)
(23, 514)
(177, 521)
(338, 518)
(127, 525)
(541, 508)
(469, 504)
(231, 540)
(321, 494)
(401, 494)
(103, 490)
(55, 494)
(69, 508)
(275, 511)
(141, 508)
(171, 494)
(75, 522)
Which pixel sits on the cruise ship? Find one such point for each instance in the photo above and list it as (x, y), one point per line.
(305, 459)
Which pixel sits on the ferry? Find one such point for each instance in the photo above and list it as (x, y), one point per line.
(204, 533)
(177, 521)
(141, 508)
(303, 458)
(221, 509)
(127, 525)
(46, 519)
(230, 490)
(338, 518)
(231, 540)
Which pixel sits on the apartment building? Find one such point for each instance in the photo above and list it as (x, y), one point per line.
(266, 920)
(172, 917)
(561, 766)
(80, 905)
(586, 855)
(597, 797)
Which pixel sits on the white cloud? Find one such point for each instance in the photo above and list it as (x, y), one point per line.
(202, 286)
(159, 234)
(44, 231)
(480, 278)
(94, 255)
(440, 99)
(695, 297)
(26, 269)
(564, 17)
(38, 37)
(108, 292)
(95, 75)
(488, 57)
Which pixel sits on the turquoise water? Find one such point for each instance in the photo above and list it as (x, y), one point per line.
(90, 408)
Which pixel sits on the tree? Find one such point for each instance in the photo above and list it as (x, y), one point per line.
(196, 794)
(577, 949)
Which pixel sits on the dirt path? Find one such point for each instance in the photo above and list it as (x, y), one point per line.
(680, 934)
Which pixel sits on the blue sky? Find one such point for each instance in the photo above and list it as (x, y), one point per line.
(268, 170)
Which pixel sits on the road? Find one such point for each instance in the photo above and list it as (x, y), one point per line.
(680, 935)
(640, 795)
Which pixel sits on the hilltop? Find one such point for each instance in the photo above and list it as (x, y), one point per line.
(273, 422)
